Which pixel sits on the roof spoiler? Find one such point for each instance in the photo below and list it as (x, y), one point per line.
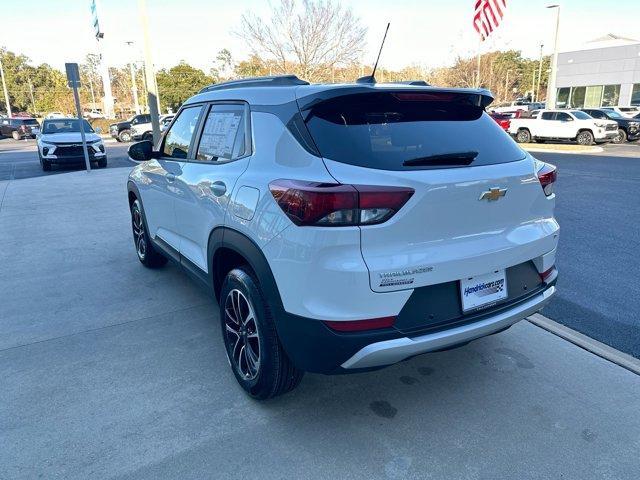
(479, 97)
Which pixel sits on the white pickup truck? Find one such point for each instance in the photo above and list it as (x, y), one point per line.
(563, 125)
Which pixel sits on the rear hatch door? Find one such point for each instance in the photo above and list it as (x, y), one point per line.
(478, 206)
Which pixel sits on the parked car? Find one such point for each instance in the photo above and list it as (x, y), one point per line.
(121, 131)
(61, 143)
(503, 120)
(334, 227)
(628, 128)
(19, 127)
(55, 115)
(624, 111)
(165, 121)
(93, 114)
(511, 106)
(144, 131)
(536, 106)
(575, 125)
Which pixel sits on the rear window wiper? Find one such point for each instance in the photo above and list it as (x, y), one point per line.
(445, 159)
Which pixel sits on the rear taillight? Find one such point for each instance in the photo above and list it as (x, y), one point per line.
(336, 205)
(361, 325)
(547, 174)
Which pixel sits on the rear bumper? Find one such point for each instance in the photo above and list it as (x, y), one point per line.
(313, 347)
(392, 351)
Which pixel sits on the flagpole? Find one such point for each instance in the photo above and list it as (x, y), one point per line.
(478, 64)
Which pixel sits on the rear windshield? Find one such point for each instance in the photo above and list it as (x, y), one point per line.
(395, 130)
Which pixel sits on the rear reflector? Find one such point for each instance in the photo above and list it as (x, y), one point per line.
(547, 174)
(361, 325)
(336, 205)
(544, 276)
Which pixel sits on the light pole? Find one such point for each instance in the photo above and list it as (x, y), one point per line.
(4, 88)
(506, 86)
(152, 87)
(537, 96)
(551, 87)
(134, 88)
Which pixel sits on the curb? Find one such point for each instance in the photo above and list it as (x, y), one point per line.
(557, 150)
(621, 359)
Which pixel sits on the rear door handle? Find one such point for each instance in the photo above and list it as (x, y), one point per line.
(170, 177)
(218, 188)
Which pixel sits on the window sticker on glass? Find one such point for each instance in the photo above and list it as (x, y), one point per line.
(219, 135)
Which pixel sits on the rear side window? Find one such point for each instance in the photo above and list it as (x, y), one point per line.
(178, 138)
(548, 115)
(224, 134)
(408, 131)
(579, 115)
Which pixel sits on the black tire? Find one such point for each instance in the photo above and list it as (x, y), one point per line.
(118, 139)
(523, 136)
(585, 138)
(102, 163)
(264, 371)
(148, 136)
(145, 250)
(125, 136)
(621, 138)
(15, 135)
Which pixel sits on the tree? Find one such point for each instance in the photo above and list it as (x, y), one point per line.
(306, 37)
(224, 67)
(178, 83)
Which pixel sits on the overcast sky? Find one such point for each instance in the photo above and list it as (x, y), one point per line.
(425, 32)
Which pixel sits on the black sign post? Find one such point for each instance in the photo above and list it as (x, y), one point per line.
(73, 80)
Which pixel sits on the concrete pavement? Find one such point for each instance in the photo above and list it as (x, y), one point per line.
(109, 370)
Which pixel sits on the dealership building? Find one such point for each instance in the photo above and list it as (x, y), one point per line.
(605, 73)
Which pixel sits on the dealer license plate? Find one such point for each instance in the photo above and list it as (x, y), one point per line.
(483, 290)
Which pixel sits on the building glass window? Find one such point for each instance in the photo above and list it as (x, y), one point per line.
(577, 97)
(593, 97)
(635, 94)
(563, 97)
(611, 95)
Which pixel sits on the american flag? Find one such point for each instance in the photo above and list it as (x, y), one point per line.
(488, 15)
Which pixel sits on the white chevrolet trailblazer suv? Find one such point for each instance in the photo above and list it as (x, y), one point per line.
(345, 228)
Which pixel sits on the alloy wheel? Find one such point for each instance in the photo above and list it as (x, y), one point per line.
(242, 334)
(138, 233)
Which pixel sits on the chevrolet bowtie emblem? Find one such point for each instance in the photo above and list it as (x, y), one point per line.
(493, 194)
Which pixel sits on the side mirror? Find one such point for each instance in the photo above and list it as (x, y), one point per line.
(142, 151)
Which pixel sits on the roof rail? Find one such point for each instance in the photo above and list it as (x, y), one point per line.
(267, 81)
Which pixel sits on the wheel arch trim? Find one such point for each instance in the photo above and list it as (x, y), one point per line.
(229, 238)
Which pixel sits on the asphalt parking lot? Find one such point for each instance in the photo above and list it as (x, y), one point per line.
(598, 208)
(110, 370)
(19, 159)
